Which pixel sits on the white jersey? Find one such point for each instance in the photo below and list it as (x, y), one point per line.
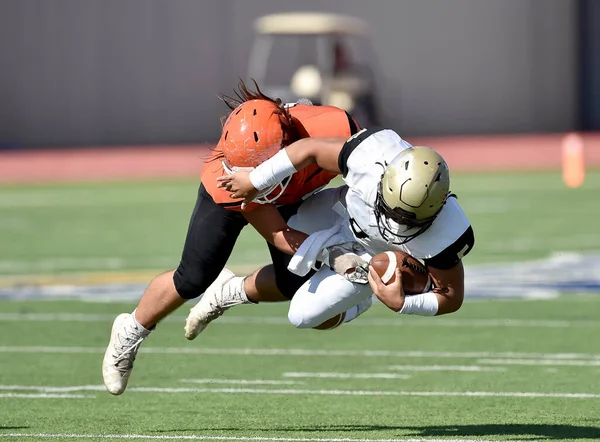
(362, 161)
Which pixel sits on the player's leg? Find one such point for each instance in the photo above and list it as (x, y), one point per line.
(264, 286)
(325, 296)
(159, 300)
(260, 286)
(211, 236)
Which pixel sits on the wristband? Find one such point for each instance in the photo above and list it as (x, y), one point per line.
(425, 304)
(272, 171)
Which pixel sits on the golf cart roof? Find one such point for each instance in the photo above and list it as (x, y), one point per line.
(309, 23)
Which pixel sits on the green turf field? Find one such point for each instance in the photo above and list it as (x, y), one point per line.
(496, 370)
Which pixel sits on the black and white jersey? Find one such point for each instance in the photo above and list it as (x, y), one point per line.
(363, 160)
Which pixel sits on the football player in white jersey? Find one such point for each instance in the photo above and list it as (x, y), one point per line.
(397, 198)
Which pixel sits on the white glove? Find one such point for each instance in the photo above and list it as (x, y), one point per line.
(343, 261)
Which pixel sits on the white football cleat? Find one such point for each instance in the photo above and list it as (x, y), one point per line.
(125, 339)
(222, 294)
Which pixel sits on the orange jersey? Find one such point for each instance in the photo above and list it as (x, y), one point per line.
(310, 121)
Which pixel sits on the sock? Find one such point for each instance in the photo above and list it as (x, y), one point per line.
(351, 313)
(243, 294)
(144, 330)
(243, 291)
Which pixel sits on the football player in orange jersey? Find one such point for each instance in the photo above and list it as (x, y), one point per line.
(255, 130)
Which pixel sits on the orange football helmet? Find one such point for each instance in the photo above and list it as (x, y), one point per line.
(254, 132)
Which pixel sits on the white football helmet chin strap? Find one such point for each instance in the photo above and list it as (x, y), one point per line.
(263, 197)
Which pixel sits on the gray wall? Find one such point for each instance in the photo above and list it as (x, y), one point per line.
(81, 72)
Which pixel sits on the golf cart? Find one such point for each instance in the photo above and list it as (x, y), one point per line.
(308, 55)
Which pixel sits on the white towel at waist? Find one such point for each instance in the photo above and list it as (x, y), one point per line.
(306, 256)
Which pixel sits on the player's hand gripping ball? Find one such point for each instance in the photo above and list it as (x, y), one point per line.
(415, 277)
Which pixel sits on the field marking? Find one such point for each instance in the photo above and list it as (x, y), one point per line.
(76, 278)
(562, 272)
(305, 352)
(292, 391)
(45, 396)
(324, 375)
(267, 320)
(81, 280)
(240, 381)
(230, 438)
(52, 389)
(536, 362)
(84, 271)
(469, 368)
(53, 264)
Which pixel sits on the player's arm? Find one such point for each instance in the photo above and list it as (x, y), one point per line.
(321, 151)
(324, 152)
(447, 274)
(446, 297)
(269, 223)
(449, 287)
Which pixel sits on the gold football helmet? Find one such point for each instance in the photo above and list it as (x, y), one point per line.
(412, 191)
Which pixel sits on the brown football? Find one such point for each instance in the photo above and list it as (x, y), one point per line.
(415, 277)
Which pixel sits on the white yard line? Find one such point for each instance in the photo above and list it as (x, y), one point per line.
(366, 322)
(324, 375)
(545, 362)
(305, 352)
(469, 368)
(227, 438)
(240, 381)
(285, 391)
(52, 389)
(45, 396)
(369, 392)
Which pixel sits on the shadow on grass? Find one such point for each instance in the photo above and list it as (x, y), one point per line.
(514, 431)
(540, 431)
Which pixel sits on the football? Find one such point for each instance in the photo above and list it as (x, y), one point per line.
(415, 277)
